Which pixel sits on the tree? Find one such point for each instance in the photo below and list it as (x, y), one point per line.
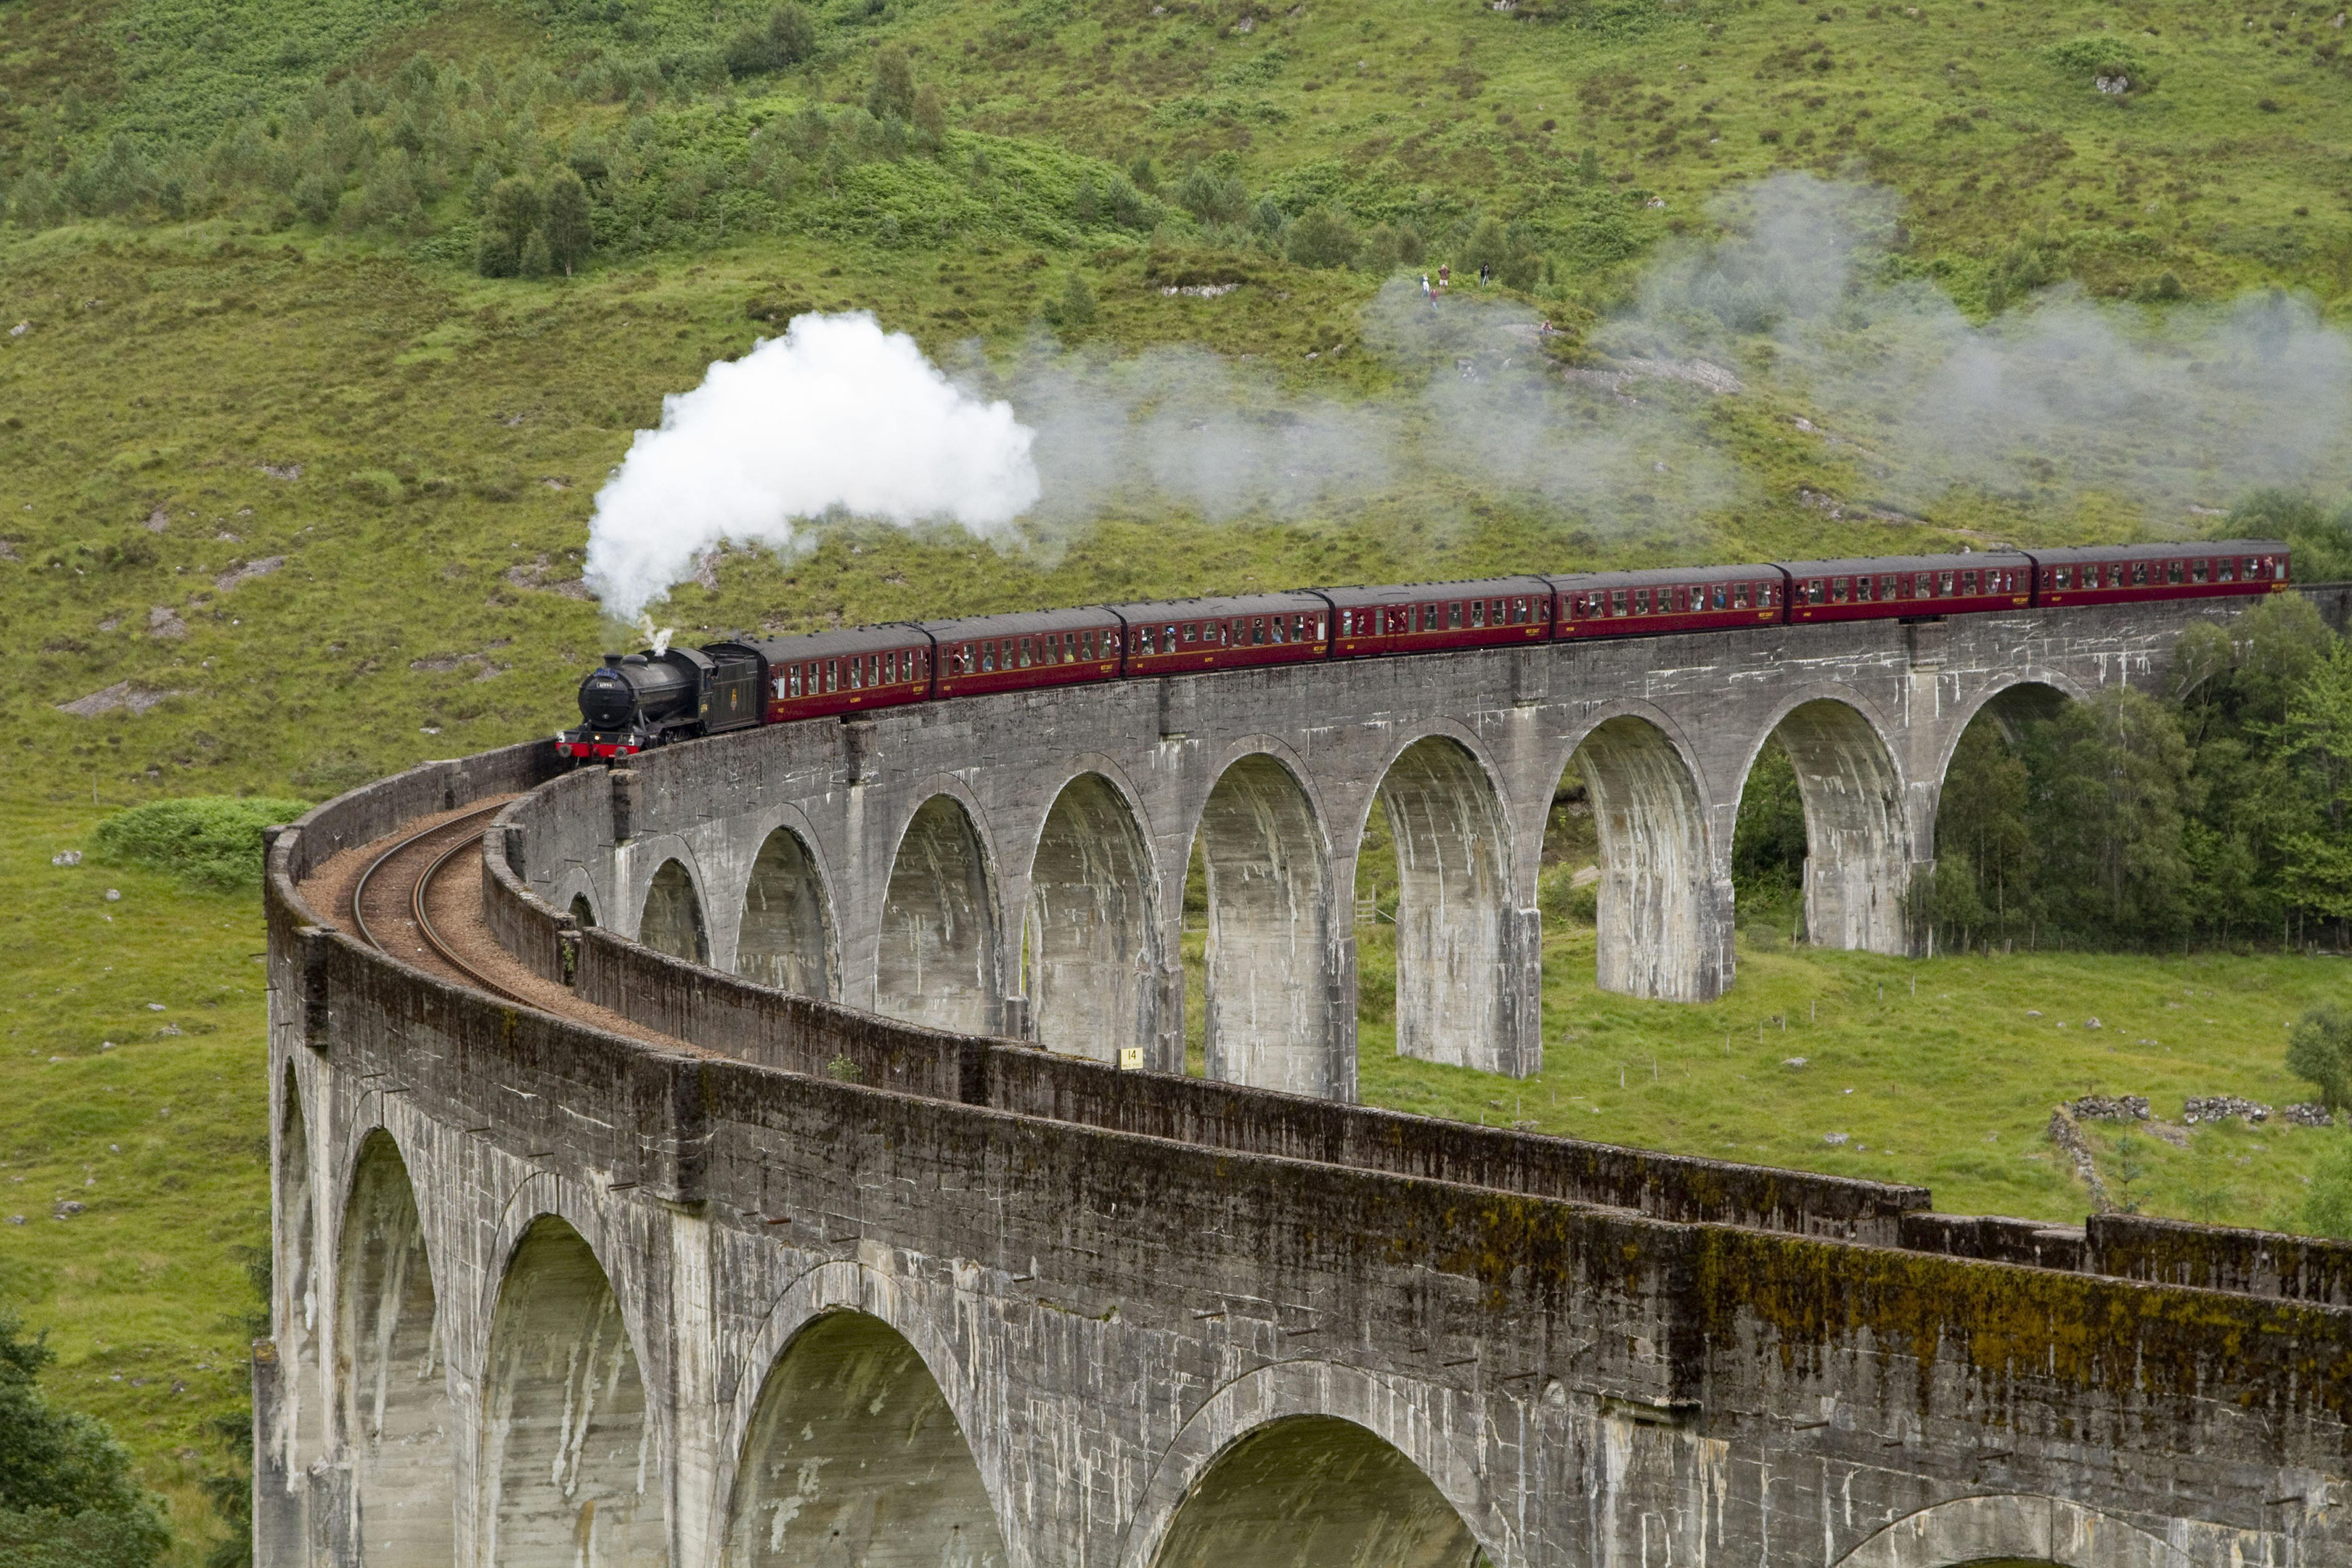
(2319, 1048)
(2107, 818)
(1075, 308)
(1212, 196)
(2322, 538)
(1981, 823)
(535, 262)
(786, 36)
(930, 116)
(1488, 246)
(892, 96)
(568, 234)
(66, 1497)
(511, 215)
(2329, 1210)
(1321, 237)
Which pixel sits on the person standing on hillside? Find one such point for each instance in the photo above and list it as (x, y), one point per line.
(1444, 273)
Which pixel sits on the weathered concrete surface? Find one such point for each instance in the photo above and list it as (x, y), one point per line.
(1014, 863)
(1153, 1349)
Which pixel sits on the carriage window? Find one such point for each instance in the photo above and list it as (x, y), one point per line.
(2229, 572)
(2139, 573)
(2059, 575)
(1967, 582)
(2172, 571)
(987, 656)
(1257, 630)
(1739, 596)
(1641, 601)
(2196, 570)
(1477, 611)
(1813, 591)
(1837, 590)
(832, 674)
(1617, 601)
(789, 683)
(1943, 581)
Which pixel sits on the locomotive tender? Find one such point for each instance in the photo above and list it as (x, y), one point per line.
(644, 700)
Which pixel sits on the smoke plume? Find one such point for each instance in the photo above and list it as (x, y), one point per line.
(834, 415)
(1803, 301)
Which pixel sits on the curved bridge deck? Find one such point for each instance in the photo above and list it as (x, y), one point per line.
(686, 1269)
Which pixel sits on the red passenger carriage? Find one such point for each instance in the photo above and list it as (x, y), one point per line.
(1908, 587)
(1039, 647)
(1181, 637)
(1433, 617)
(1672, 599)
(2112, 572)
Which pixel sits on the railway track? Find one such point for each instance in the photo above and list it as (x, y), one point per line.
(416, 861)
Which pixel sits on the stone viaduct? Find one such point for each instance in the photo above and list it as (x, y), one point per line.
(850, 1243)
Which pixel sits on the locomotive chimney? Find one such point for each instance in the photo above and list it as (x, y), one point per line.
(612, 661)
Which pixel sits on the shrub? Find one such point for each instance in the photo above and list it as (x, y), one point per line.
(1321, 237)
(2320, 1048)
(1212, 197)
(66, 1497)
(1488, 246)
(930, 117)
(892, 96)
(785, 38)
(206, 841)
(2329, 1210)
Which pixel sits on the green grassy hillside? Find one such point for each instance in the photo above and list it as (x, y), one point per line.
(290, 495)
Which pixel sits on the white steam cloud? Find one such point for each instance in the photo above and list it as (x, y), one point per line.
(2167, 412)
(2151, 415)
(834, 415)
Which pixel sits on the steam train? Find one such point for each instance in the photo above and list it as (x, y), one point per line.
(643, 699)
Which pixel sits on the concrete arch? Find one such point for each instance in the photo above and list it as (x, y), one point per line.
(1315, 1492)
(1664, 903)
(2012, 1527)
(1859, 852)
(937, 963)
(785, 935)
(854, 1454)
(1438, 1475)
(391, 1369)
(570, 1472)
(1271, 982)
(300, 1437)
(575, 893)
(1094, 924)
(2032, 686)
(671, 919)
(1453, 919)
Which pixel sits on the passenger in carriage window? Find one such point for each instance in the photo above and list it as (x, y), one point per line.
(1281, 630)
(2139, 573)
(2172, 571)
(1722, 594)
(1837, 590)
(1739, 596)
(1478, 612)
(2229, 572)
(1641, 601)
